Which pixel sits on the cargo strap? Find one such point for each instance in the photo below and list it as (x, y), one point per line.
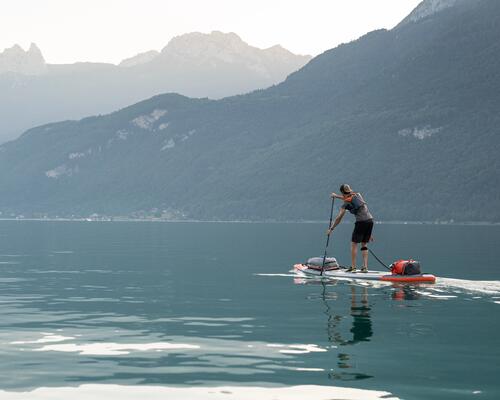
(373, 254)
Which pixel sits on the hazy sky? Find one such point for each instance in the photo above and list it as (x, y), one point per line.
(111, 30)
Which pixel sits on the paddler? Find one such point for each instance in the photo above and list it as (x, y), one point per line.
(355, 204)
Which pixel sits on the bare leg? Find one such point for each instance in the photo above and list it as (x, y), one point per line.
(364, 297)
(353, 297)
(354, 251)
(365, 255)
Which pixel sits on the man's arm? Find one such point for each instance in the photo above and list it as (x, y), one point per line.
(338, 218)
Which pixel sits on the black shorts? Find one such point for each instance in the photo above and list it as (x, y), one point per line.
(362, 231)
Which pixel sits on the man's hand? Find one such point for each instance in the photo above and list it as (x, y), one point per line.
(329, 231)
(335, 196)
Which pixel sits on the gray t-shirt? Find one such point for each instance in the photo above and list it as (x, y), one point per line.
(363, 213)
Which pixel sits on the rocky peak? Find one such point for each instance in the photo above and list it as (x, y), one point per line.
(16, 49)
(35, 51)
(427, 8)
(228, 48)
(15, 59)
(197, 44)
(141, 58)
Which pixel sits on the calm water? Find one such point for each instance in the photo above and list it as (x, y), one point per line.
(213, 305)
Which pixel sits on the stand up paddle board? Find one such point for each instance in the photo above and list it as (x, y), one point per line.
(370, 275)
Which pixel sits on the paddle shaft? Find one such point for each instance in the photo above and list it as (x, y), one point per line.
(328, 237)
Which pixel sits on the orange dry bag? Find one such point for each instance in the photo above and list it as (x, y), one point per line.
(405, 267)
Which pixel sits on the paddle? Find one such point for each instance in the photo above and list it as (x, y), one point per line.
(328, 237)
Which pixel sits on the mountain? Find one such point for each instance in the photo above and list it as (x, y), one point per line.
(427, 9)
(139, 59)
(16, 60)
(409, 117)
(211, 65)
(226, 51)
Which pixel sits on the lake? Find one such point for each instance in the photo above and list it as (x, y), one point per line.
(213, 311)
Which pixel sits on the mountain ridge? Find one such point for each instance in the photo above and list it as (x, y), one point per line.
(62, 91)
(179, 42)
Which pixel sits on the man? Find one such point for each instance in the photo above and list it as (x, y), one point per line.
(355, 204)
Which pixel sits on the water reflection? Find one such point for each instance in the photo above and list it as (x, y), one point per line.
(360, 330)
(404, 291)
(357, 313)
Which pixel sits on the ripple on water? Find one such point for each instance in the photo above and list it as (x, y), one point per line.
(122, 392)
(240, 353)
(114, 349)
(297, 348)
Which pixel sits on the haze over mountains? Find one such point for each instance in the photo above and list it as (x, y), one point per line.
(408, 116)
(199, 65)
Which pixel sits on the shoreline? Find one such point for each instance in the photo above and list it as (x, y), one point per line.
(125, 219)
